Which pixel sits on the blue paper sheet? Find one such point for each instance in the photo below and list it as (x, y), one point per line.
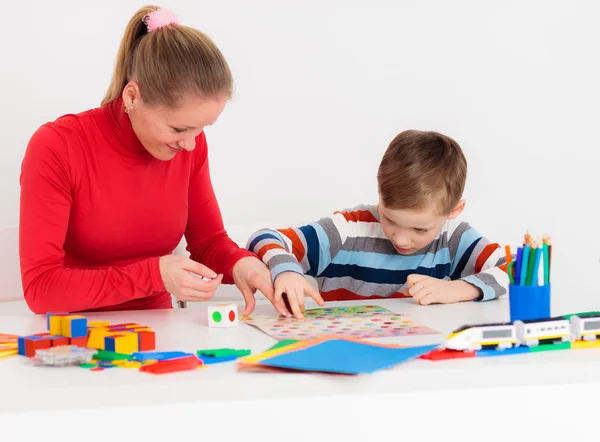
(345, 356)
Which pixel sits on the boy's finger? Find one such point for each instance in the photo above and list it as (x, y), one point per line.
(414, 278)
(280, 302)
(293, 298)
(416, 288)
(314, 294)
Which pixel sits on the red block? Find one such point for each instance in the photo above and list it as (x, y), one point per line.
(32, 345)
(60, 340)
(147, 340)
(172, 365)
(79, 342)
(441, 354)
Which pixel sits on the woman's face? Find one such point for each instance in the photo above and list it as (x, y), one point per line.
(166, 131)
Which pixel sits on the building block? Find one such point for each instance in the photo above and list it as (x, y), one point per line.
(585, 344)
(28, 345)
(125, 343)
(96, 338)
(508, 351)
(73, 326)
(79, 342)
(159, 355)
(95, 324)
(551, 347)
(104, 355)
(173, 365)
(442, 354)
(51, 315)
(223, 352)
(207, 360)
(146, 340)
(55, 324)
(223, 315)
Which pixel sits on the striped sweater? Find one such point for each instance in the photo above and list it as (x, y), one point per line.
(351, 258)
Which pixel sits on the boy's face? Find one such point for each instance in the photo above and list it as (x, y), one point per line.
(412, 229)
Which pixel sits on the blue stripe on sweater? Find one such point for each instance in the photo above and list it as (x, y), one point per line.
(459, 267)
(263, 236)
(312, 249)
(383, 276)
(466, 241)
(391, 262)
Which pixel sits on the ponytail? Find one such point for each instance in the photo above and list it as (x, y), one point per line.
(167, 60)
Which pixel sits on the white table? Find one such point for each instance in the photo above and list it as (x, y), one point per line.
(467, 399)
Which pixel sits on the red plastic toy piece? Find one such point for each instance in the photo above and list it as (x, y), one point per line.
(442, 353)
(172, 365)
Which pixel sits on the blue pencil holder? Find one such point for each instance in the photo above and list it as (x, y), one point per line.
(529, 302)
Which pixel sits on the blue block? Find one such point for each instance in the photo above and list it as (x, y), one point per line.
(212, 360)
(21, 345)
(508, 351)
(158, 355)
(79, 328)
(109, 343)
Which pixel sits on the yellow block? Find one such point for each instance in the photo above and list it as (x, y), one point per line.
(95, 324)
(131, 364)
(56, 325)
(65, 324)
(96, 338)
(126, 343)
(585, 344)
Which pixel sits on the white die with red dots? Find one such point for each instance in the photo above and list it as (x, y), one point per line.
(223, 315)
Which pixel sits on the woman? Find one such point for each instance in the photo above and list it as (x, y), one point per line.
(107, 194)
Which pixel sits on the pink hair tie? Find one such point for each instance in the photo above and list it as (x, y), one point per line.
(159, 18)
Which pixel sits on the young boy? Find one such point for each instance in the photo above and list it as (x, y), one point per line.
(409, 245)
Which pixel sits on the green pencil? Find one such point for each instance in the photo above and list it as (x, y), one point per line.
(546, 265)
(531, 263)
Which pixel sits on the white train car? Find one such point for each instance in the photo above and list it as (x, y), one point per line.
(543, 331)
(585, 328)
(499, 336)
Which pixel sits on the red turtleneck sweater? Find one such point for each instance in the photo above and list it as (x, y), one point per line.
(97, 212)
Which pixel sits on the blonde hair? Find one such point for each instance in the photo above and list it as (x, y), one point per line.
(419, 168)
(168, 63)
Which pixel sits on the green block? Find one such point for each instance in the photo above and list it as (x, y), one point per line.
(104, 355)
(284, 343)
(222, 352)
(87, 365)
(582, 314)
(550, 347)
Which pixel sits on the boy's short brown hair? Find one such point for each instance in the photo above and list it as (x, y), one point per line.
(419, 167)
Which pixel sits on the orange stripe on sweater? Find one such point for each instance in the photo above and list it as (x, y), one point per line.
(359, 215)
(347, 295)
(297, 247)
(484, 255)
(264, 249)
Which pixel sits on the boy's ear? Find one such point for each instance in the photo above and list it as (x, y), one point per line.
(457, 209)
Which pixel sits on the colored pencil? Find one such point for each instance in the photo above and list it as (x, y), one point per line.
(518, 265)
(524, 263)
(532, 253)
(536, 264)
(508, 256)
(546, 265)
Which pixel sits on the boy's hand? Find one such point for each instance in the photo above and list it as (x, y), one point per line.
(427, 290)
(295, 285)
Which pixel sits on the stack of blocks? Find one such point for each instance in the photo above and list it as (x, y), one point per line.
(67, 329)
(63, 328)
(121, 338)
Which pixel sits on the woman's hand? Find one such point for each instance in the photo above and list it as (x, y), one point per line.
(251, 274)
(178, 277)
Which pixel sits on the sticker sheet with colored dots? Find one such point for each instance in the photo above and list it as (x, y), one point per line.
(364, 321)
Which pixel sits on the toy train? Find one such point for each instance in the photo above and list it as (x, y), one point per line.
(501, 336)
